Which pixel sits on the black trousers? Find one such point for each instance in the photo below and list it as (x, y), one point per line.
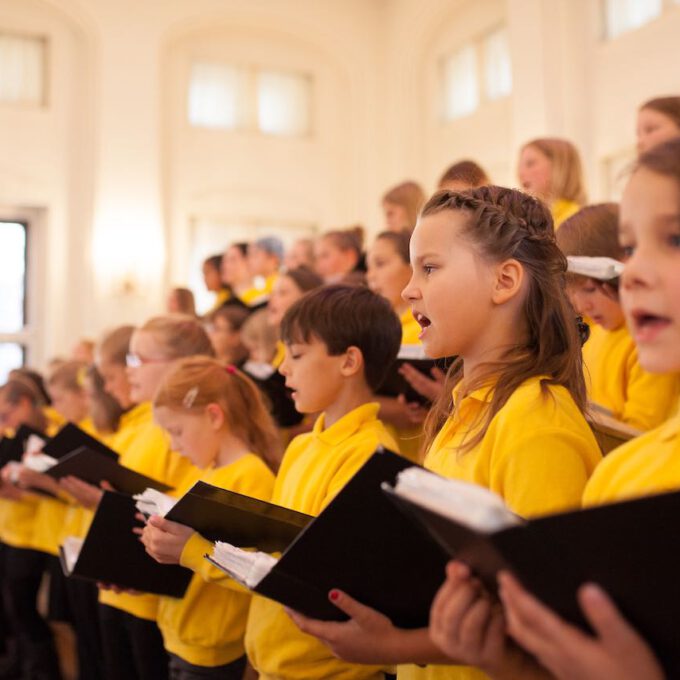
(84, 610)
(133, 647)
(183, 670)
(23, 574)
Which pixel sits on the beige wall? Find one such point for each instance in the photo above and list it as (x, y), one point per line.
(112, 168)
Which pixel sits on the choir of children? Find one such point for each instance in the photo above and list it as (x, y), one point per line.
(477, 272)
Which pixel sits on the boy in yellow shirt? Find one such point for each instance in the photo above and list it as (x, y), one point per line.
(340, 341)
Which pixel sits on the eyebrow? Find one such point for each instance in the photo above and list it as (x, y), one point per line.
(424, 256)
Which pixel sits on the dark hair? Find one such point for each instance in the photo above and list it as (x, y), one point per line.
(242, 246)
(304, 278)
(506, 223)
(214, 261)
(400, 242)
(668, 106)
(467, 172)
(347, 316)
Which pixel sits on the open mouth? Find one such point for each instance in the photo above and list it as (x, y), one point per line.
(422, 320)
(647, 325)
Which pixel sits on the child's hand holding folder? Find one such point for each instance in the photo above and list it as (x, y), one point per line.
(88, 495)
(616, 652)
(164, 540)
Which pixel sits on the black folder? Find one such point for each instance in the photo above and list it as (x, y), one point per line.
(96, 467)
(363, 545)
(395, 384)
(112, 553)
(12, 448)
(70, 438)
(222, 515)
(629, 548)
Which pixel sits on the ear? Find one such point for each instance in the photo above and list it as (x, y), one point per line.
(352, 363)
(215, 416)
(509, 281)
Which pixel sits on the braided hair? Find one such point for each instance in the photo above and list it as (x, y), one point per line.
(508, 224)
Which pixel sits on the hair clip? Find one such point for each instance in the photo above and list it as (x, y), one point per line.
(190, 397)
(230, 369)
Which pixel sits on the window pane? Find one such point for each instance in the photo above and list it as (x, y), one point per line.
(22, 66)
(461, 91)
(12, 276)
(283, 103)
(218, 96)
(497, 65)
(11, 356)
(625, 15)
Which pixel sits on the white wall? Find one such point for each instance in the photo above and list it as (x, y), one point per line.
(112, 166)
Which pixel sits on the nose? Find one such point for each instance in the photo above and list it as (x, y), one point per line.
(283, 368)
(411, 292)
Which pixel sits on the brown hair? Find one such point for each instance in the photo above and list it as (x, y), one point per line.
(668, 106)
(505, 223)
(114, 346)
(410, 196)
(195, 382)
(566, 178)
(20, 387)
(105, 411)
(343, 316)
(69, 375)
(179, 335)
(234, 315)
(351, 238)
(400, 241)
(663, 159)
(467, 172)
(185, 301)
(304, 278)
(591, 232)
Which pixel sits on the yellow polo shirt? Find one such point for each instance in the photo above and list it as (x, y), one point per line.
(563, 209)
(144, 447)
(649, 464)
(616, 380)
(314, 469)
(206, 627)
(537, 454)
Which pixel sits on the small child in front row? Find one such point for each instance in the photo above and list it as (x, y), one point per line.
(340, 342)
(487, 286)
(614, 376)
(216, 417)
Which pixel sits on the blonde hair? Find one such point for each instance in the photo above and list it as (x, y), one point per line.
(185, 301)
(258, 333)
(408, 195)
(566, 177)
(179, 335)
(195, 382)
(69, 375)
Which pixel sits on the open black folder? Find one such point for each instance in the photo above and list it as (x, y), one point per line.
(112, 553)
(363, 545)
(95, 467)
(70, 438)
(222, 515)
(12, 448)
(630, 548)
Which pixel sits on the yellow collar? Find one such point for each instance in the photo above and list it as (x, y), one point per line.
(348, 425)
